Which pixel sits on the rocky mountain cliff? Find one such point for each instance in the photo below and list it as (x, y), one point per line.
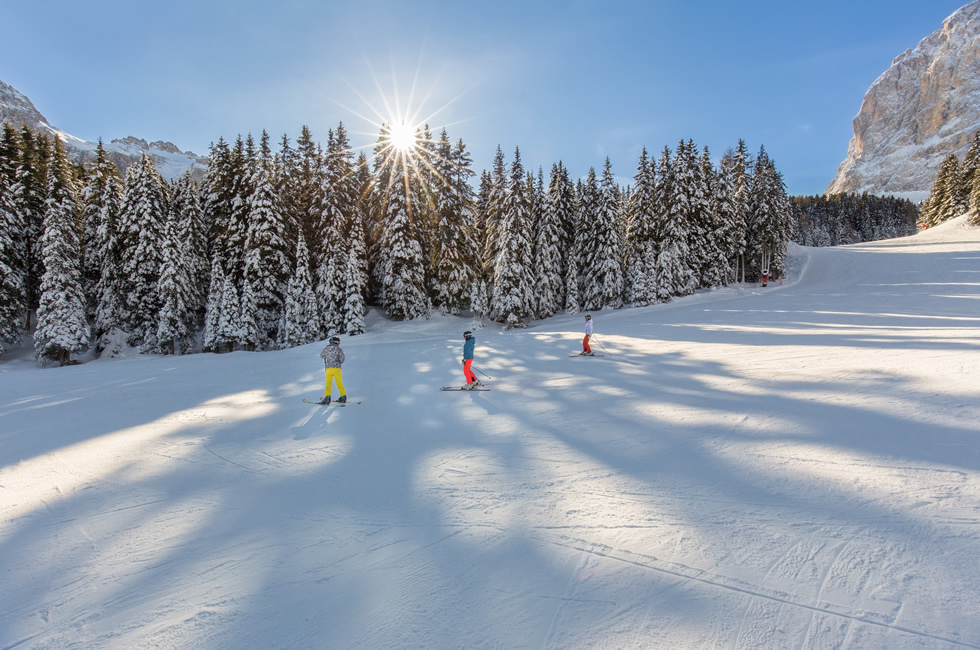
(923, 108)
(170, 161)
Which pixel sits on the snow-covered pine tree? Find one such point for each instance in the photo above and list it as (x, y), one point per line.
(731, 205)
(698, 217)
(185, 210)
(216, 191)
(512, 301)
(230, 331)
(673, 271)
(968, 171)
(61, 326)
(549, 289)
(356, 280)
(30, 193)
(306, 183)
(496, 194)
(366, 212)
(302, 317)
(143, 217)
(11, 271)
(975, 199)
(741, 175)
(641, 235)
(602, 270)
(266, 263)
(456, 263)
(713, 269)
(93, 194)
(109, 289)
(943, 199)
(173, 330)
(244, 164)
(402, 269)
(212, 315)
(337, 205)
(770, 222)
(727, 232)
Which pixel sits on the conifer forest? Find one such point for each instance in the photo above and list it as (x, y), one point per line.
(283, 244)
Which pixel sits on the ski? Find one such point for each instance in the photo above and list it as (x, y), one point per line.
(461, 388)
(586, 355)
(332, 403)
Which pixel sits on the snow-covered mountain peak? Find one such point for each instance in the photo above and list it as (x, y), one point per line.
(923, 108)
(17, 109)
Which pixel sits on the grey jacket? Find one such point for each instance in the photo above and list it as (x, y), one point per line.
(332, 356)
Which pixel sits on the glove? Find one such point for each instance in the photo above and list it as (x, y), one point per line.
(462, 362)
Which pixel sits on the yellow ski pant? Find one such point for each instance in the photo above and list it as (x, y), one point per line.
(334, 374)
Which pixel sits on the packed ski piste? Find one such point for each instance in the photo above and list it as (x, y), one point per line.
(790, 466)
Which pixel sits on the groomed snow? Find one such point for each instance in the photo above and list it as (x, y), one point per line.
(795, 466)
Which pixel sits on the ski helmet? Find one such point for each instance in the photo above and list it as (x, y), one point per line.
(467, 334)
(334, 340)
(588, 317)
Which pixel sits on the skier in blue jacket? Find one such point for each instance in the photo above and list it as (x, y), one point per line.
(468, 346)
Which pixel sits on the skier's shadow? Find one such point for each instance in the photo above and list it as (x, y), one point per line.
(485, 404)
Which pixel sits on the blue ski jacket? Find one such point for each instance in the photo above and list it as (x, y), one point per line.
(468, 348)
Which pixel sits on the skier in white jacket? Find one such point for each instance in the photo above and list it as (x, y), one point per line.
(586, 349)
(333, 358)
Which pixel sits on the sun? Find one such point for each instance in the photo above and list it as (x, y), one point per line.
(402, 137)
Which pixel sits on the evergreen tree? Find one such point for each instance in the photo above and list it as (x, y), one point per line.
(93, 194)
(266, 264)
(641, 235)
(217, 194)
(601, 265)
(975, 199)
(30, 193)
(770, 224)
(403, 291)
(968, 171)
(143, 217)
(741, 171)
(302, 317)
(496, 194)
(212, 316)
(109, 289)
(714, 214)
(356, 281)
(549, 287)
(187, 214)
(338, 202)
(455, 250)
(673, 270)
(11, 269)
(306, 182)
(512, 299)
(61, 326)
(173, 330)
(230, 330)
(944, 199)
(729, 230)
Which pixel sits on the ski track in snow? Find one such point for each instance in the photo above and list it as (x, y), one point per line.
(796, 466)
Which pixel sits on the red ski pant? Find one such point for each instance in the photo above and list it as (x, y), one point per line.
(585, 344)
(468, 372)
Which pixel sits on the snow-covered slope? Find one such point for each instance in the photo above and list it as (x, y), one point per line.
(923, 108)
(17, 109)
(790, 466)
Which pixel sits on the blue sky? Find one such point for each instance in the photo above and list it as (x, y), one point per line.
(573, 81)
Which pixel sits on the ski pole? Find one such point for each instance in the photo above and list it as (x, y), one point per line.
(600, 344)
(481, 372)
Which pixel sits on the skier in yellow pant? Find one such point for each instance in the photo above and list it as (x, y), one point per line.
(333, 358)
